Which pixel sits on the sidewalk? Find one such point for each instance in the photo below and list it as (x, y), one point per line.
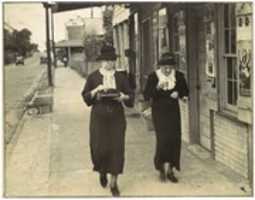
(54, 159)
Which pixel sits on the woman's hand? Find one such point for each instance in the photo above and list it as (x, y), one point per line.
(185, 99)
(174, 95)
(97, 89)
(122, 97)
(162, 85)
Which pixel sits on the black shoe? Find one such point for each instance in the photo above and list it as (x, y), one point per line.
(103, 180)
(115, 191)
(172, 177)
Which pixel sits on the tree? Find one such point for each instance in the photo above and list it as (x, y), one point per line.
(17, 43)
(9, 47)
(33, 47)
(9, 42)
(23, 43)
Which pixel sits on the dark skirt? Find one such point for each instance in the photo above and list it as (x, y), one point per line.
(166, 119)
(107, 137)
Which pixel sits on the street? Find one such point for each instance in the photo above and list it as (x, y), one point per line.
(18, 78)
(52, 156)
(19, 84)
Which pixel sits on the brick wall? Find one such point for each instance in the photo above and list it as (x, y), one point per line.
(231, 144)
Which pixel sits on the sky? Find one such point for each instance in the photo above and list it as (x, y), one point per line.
(32, 16)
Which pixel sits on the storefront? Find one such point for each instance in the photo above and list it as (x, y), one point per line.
(212, 43)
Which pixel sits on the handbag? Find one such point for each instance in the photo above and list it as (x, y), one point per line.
(110, 94)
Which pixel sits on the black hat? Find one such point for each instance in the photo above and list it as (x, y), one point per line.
(167, 59)
(107, 53)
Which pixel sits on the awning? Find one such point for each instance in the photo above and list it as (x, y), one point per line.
(68, 6)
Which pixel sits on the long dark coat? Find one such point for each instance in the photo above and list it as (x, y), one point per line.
(166, 119)
(107, 125)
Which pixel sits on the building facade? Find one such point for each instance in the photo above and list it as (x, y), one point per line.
(73, 45)
(212, 43)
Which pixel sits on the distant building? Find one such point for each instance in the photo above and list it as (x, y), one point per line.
(73, 47)
(120, 35)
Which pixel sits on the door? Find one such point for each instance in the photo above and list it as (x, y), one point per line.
(200, 44)
(189, 46)
(207, 75)
(184, 42)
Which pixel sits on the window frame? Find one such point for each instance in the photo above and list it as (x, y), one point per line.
(224, 106)
(176, 36)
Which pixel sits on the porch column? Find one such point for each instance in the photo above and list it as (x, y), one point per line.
(53, 39)
(192, 63)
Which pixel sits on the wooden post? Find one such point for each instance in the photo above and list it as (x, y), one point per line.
(192, 64)
(46, 6)
(53, 39)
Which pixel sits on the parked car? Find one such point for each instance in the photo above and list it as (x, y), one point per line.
(43, 60)
(19, 60)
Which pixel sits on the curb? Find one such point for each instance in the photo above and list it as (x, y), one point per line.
(19, 113)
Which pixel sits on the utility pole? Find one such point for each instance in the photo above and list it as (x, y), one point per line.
(46, 6)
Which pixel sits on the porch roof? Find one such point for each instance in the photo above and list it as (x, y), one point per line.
(68, 6)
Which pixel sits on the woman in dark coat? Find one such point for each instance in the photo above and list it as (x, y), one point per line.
(164, 87)
(106, 90)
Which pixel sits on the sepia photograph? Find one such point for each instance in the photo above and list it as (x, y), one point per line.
(127, 99)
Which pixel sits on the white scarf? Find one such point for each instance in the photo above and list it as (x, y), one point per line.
(108, 78)
(170, 79)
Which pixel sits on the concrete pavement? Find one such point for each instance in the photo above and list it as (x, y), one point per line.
(52, 155)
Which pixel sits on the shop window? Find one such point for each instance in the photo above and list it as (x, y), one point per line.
(163, 39)
(210, 43)
(136, 22)
(179, 40)
(230, 69)
(244, 47)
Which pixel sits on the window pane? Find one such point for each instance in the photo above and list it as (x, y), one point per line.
(229, 68)
(176, 43)
(233, 41)
(234, 69)
(162, 14)
(136, 23)
(230, 92)
(235, 92)
(233, 17)
(226, 20)
(226, 41)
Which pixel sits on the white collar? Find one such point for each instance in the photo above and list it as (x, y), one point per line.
(170, 79)
(160, 74)
(105, 72)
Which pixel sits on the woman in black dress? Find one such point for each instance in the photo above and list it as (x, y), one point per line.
(164, 87)
(106, 90)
